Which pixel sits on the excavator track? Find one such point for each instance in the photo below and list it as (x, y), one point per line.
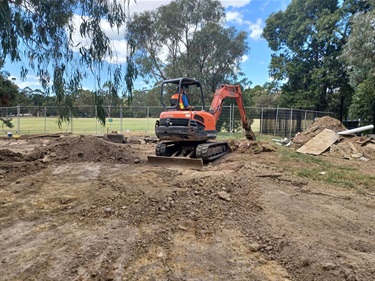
(211, 151)
(176, 153)
(191, 154)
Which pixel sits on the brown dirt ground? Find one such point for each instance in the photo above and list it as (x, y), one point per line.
(81, 208)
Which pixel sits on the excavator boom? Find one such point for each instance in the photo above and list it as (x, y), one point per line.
(231, 91)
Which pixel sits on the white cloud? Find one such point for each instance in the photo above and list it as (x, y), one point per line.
(256, 29)
(30, 81)
(234, 17)
(235, 3)
(120, 48)
(244, 58)
(116, 36)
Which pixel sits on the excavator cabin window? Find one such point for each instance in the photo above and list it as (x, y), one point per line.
(180, 102)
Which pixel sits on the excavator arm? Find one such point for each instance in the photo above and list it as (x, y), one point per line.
(231, 91)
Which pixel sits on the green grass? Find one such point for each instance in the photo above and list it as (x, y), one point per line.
(48, 125)
(41, 125)
(311, 167)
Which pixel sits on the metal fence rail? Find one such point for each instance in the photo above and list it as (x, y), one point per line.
(281, 122)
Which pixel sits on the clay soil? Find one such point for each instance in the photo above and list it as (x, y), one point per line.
(82, 208)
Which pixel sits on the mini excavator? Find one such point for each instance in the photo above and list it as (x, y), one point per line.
(186, 134)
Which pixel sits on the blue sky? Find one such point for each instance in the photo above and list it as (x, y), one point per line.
(247, 15)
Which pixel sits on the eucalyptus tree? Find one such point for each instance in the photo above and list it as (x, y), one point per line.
(187, 38)
(307, 39)
(8, 94)
(8, 90)
(359, 57)
(41, 34)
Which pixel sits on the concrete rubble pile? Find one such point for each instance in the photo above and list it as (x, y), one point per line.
(328, 136)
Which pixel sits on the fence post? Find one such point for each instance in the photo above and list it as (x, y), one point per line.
(121, 127)
(232, 123)
(71, 122)
(291, 123)
(45, 120)
(261, 122)
(96, 121)
(18, 118)
(276, 121)
(148, 120)
(305, 120)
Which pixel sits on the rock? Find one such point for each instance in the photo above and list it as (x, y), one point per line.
(254, 247)
(329, 265)
(351, 277)
(224, 195)
(137, 160)
(135, 140)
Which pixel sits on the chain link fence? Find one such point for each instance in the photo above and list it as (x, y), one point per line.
(280, 122)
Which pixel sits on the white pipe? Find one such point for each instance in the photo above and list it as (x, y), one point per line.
(356, 130)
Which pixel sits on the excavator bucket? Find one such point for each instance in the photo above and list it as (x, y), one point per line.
(194, 163)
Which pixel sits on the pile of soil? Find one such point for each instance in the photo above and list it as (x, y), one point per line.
(315, 128)
(8, 155)
(84, 149)
(349, 147)
(251, 147)
(360, 148)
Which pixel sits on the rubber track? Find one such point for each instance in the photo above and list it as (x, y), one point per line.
(212, 151)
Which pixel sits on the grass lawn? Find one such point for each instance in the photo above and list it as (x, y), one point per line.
(41, 125)
(48, 125)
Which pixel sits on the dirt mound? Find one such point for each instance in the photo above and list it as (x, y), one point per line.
(318, 126)
(251, 147)
(353, 148)
(84, 149)
(8, 155)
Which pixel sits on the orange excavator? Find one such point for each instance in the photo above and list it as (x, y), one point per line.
(185, 132)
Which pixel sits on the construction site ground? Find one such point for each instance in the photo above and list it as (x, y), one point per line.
(82, 208)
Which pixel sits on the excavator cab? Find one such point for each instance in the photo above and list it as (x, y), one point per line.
(171, 92)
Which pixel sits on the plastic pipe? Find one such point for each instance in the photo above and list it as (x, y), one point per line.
(356, 130)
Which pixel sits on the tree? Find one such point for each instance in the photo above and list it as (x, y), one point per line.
(359, 58)
(40, 34)
(146, 97)
(264, 97)
(187, 38)
(8, 90)
(8, 93)
(307, 39)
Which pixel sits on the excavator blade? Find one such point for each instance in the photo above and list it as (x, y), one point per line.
(164, 161)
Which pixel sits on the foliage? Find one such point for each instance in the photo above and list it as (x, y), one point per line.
(187, 38)
(307, 39)
(8, 93)
(146, 97)
(8, 90)
(41, 34)
(359, 57)
(264, 96)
